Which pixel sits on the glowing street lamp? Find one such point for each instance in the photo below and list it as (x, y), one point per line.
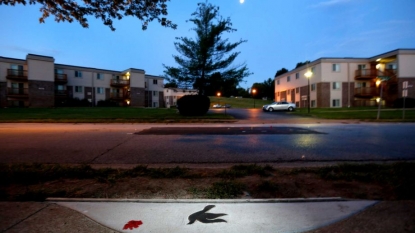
(218, 95)
(253, 94)
(308, 75)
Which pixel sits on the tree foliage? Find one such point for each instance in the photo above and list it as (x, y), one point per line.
(264, 89)
(280, 72)
(106, 10)
(205, 61)
(299, 64)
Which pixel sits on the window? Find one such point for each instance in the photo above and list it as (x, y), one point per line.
(78, 89)
(155, 81)
(297, 90)
(336, 68)
(297, 75)
(100, 90)
(336, 85)
(313, 104)
(155, 92)
(278, 82)
(288, 78)
(78, 74)
(278, 93)
(58, 71)
(361, 67)
(313, 69)
(313, 87)
(100, 76)
(336, 103)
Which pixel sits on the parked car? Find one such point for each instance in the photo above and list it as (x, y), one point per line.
(279, 106)
(226, 106)
(217, 106)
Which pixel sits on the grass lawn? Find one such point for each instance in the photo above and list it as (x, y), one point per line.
(100, 114)
(362, 113)
(239, 102)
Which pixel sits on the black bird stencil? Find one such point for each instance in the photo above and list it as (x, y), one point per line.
(204, 217)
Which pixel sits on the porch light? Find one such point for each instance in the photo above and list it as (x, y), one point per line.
(377, 66)
(378, 83)
(128, 102)
(377, 100)
(378, 59)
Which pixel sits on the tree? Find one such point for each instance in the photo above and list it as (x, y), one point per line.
(106, 10)
(170, 84)
(280, 72)
(203, 59)
(301, 64)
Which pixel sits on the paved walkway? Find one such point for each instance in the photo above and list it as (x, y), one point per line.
(292, 215)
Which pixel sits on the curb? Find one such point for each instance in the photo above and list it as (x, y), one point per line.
(253, 201)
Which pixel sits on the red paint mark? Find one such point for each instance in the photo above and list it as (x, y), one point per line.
(132, 224)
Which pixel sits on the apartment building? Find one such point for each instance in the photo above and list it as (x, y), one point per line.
(172, 94)
(38, 81)
(347, 82)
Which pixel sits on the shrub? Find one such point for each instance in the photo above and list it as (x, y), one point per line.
(107, 103)
(409, 103)
(193, 105)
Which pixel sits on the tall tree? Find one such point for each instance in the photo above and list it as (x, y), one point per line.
(106, 10)
(207, 54)
(281, 71)
(301, 64)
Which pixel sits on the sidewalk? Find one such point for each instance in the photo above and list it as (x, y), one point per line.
(278, 215)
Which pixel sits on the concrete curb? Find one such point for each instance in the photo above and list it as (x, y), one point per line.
(254, 201)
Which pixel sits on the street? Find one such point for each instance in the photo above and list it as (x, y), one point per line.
(128, 144)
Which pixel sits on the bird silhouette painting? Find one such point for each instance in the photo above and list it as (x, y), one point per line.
(204, 217)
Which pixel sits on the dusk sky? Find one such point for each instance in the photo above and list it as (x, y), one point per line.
(280, 33)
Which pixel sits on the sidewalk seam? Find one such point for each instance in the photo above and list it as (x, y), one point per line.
(28, 216)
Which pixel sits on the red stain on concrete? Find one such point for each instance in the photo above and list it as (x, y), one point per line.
(132, 224)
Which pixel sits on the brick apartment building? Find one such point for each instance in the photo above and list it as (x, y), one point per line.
(38, 81)
(344, 82)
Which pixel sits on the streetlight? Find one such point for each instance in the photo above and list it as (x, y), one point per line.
(308, 75)
(379, 100)
(218, 95)
(253, 94)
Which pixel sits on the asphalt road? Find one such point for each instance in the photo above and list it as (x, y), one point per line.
(127, 144)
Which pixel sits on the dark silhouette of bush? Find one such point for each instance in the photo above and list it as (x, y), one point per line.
(107, 103)
(73, 102)
(409, 103)
(193, 105)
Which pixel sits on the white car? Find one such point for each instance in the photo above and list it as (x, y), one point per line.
(279, 106)
(217, 106)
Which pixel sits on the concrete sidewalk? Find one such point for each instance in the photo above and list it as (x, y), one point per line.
(98, 215)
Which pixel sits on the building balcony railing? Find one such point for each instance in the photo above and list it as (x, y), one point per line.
(61, 92)
(367, 74)
(17, 92)
(61, 78)
(119, 96)
(366, 92)
(16, 74)
(120, 82)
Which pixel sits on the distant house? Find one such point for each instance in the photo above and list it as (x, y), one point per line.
(171, 95)
(38, 81)
(344, 82)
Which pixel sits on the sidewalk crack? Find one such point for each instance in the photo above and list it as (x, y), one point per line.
(26, 217)
(110, 149)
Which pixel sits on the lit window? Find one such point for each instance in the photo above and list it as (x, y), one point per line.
(78, 89)
(336, 68)
(78, 74)
(313, 87)
(336, 85)
(336, 103)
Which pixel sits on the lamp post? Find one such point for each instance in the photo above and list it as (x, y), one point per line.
(308, 75)
(253, 95)
(379, 83)
(218, 95)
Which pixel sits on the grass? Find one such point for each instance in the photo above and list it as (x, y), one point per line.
(100, 115)
(239, 102)
(362, 113)
(35, 182)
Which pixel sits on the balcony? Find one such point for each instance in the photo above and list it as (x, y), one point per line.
(61, 78)
(17, 92)
(17, 74)
(61, 93)
(120, 82)
(119, 96)
(366, 92)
